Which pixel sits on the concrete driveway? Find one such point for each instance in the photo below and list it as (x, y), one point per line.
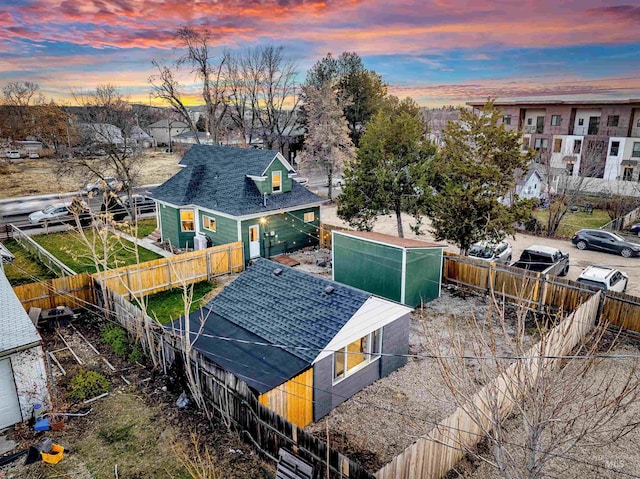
(578, 259)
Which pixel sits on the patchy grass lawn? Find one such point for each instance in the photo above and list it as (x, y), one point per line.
(168, 305)
(24, 268)
(572, 222)
(145, 228)
(69, 248)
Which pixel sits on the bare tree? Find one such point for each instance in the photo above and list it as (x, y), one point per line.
(560, 408)
(17, 98)
(278, 97)
(327, 145)
(166, 88)
(209, 69)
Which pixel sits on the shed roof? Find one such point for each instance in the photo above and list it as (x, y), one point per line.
(216, 178)
(16, 329)
(390, 240)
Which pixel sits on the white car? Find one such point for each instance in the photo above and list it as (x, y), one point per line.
(57, 212)
(301, 180)
(605, 278)
(336, 180)
(109, 183)
(501, 252)
(33, 155)
(13, 155)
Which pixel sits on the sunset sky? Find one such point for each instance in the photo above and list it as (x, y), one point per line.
(436, 51)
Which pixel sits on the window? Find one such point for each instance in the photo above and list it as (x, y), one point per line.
(627, 174)
(638, 123)
(580, 121)
(557, 145)
(187, 220)
(541, 144)
(356, 355)
(309, 217)
(276, 181)
(570, 168)
(612, 120)
(577, 146)
(506, 120)
(209, 223)
(615, 146)
(529, 121)
(556, 120)
(636, 149)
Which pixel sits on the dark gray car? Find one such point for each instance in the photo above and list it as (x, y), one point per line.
(605, 241)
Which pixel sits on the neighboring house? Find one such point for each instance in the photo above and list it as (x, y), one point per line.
(404, 270)
(188, 137)
(302, 343)
(528, 186)
(164, 131)
(103, 134)
(23, 377)
(237, 194)
(30, 146)
(140, 138)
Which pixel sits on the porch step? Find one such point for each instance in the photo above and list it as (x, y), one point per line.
(155, 236)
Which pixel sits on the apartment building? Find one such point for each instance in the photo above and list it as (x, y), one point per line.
(597, 139)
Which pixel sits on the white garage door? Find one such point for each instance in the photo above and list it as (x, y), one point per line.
(9, 405)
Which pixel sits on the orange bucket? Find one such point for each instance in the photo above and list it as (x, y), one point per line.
(54, 456)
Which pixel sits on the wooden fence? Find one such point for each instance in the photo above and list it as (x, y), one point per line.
(434, 455)
(73, 291)
(52, 263)
(325, 234)
(231, 398)
(539, 292)
(166, 273)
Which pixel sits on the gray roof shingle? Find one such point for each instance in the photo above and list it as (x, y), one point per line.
(16, 329)
(215, 177)
(290, 309)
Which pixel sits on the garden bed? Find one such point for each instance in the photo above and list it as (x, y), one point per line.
(169, 305)
(24, 268)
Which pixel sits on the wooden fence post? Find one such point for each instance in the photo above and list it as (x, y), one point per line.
(208, 261)
(169, 272)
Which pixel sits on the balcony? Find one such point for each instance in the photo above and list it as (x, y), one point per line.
(532, 129)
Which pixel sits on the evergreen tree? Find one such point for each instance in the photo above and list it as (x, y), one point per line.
(390, 169)
(477, 168)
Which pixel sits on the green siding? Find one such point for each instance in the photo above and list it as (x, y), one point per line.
(170, 220)
(290, 232)
(422, 282)
(266, 186)
(370, 266)
(226, 229)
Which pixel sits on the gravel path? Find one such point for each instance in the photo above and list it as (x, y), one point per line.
(578, 259)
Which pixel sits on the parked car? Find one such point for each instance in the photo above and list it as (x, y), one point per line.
(635, 229)
(13, 154)
(605, 241)
(99, 185)
(34, 155)
(501, 252)
(543, 259)
(603, 277)
(142, 203)
(51, 213)
(301, 180)
(62, 213)
(336, 180)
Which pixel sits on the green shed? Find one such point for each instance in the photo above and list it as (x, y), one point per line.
(404, 270)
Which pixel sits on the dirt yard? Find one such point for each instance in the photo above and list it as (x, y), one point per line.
(578, 259)
(35, 177)
(137, 428)
(385, 418)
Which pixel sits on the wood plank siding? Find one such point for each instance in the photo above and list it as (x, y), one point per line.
(293, 400)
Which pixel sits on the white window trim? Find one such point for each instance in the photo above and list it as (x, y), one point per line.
(182, 230)
(273, 189)
(211, 218)
(350, 372)
(313, 216)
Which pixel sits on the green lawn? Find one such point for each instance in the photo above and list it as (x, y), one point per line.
(24, 268)
(572, 222)
(72, 251)
(168, 305)
(145, 228)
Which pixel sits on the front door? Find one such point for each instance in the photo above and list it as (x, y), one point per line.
(254, 241)
(9, 405)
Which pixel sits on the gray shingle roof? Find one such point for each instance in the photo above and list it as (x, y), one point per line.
(16, 329)
(215, 177)
(290, 309)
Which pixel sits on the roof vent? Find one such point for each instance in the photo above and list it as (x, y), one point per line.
(329, 289)
(277, 271)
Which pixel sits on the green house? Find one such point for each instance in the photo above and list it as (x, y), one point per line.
(226, 194)
(403, 270)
